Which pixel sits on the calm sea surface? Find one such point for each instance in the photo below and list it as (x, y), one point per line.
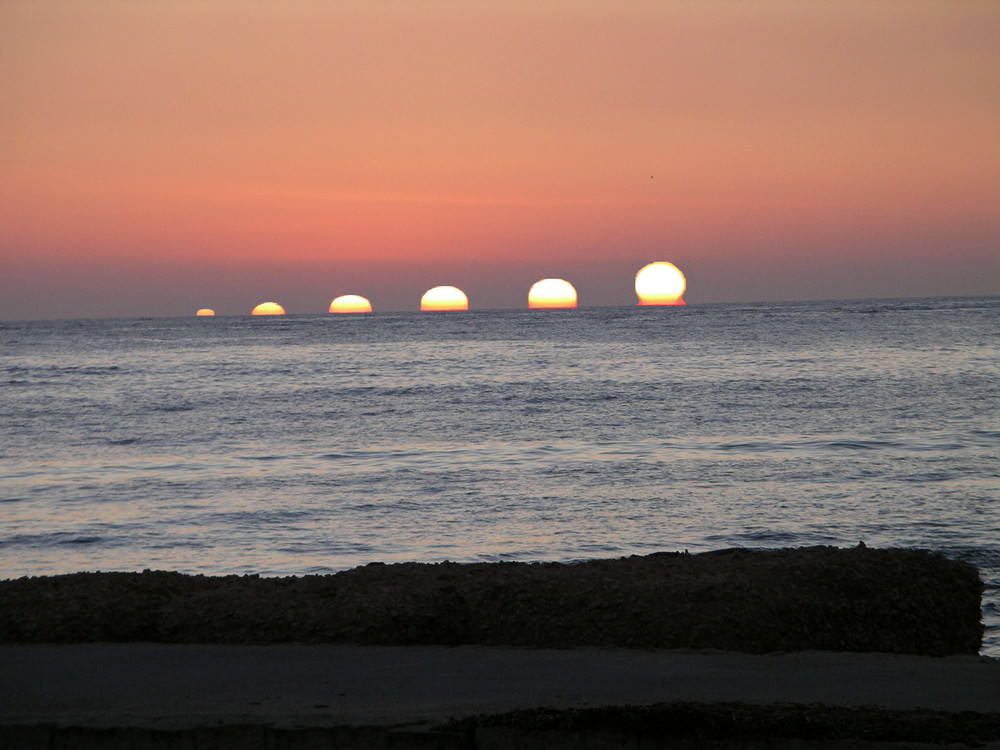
(310, 444)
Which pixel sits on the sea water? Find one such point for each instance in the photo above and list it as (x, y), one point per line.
(310, 444)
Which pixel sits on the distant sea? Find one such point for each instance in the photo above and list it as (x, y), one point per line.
(309, 444)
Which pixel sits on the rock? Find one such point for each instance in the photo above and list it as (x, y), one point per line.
(755, 601)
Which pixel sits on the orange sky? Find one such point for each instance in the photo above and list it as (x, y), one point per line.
(165, 155)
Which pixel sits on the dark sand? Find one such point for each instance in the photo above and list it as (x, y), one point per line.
(181, 690)
(399, 684)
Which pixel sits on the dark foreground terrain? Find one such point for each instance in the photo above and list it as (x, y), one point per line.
(741, 724)
(753, 601)
(678, 726)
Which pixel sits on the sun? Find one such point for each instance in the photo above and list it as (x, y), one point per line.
(268, 308)
(660, 283)
(205, 311)
(350, 303)
(551, 293)
(444, 298)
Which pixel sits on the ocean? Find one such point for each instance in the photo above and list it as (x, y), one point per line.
(308, 444)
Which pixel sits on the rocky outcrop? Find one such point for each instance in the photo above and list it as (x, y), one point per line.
(755, 601)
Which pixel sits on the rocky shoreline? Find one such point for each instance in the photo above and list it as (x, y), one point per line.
(753, 601)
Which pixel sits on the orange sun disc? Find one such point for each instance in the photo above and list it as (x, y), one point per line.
(268, 308)
(350, 303)
(205, 311)
(444, 298)
(551, 293)
(660, 283)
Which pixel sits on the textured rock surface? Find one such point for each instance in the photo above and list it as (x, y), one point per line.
(816, 598)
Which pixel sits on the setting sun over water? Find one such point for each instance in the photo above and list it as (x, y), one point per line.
(268, 308)
(350, 303)
(775, 150)
(444, 298)
(660, 283)
(551, 293)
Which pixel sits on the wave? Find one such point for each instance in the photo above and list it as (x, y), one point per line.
(173, 407)
(484, 454)
(764, 538)
(47, 540)
(915, 443)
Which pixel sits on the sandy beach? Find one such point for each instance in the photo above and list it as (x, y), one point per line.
(404, 684)
(178, 690)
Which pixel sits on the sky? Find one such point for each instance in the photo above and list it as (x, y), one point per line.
(161, 156)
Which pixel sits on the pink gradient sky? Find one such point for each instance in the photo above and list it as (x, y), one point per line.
(161, 156)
